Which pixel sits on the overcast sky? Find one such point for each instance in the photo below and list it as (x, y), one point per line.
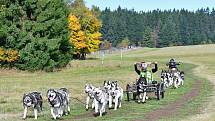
(147, 5)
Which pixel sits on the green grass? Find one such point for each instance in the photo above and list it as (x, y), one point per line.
(15, 83)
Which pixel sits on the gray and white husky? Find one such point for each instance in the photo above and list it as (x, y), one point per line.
(33, 99)
(115, 93)
(59, 102)
(90, 96)
(100, 100)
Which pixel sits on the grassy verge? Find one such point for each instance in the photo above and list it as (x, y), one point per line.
(14, 84)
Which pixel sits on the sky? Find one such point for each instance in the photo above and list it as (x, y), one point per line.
(147, 5)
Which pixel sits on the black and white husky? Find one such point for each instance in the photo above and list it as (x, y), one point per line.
(33, 99)
(178, 79)
(167, 78)
(59, 102)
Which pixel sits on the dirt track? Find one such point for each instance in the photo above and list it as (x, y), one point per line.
(170, 109)
(208, 113)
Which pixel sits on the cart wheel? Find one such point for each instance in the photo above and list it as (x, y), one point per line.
(162, 90)
(162, 94)
(158, 94)
(127, 91)
(134, 96)
(128, 96)
(159, 91)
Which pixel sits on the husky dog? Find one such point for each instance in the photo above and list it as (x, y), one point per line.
(141, 90)
(170, 79)
(116, 93)
(107, 85)
(164, 78)
(167, 78)
(59, 102)
(89, 91)
(178, 80)
(100, 100)
(33, 99)
(182, 75)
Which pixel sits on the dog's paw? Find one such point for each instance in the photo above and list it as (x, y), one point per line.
(54, 118)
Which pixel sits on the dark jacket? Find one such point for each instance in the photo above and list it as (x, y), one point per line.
(173, 64)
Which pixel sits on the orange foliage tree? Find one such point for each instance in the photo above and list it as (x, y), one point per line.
(8, 56)
(77, 36)
(84, 29)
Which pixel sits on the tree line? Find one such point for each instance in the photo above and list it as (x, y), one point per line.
(158, 28)
(46, 34)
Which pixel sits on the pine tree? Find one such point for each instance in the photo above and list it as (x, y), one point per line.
(147, 37)
(38, 30)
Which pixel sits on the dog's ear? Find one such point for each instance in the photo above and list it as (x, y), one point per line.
(24, 95)
(48, 91)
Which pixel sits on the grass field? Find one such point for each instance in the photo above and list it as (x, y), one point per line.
(15, 83)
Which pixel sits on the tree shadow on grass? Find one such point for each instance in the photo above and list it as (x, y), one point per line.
(91, 58)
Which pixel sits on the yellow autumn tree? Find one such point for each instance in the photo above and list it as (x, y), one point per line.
(12, 56)
(84, 28)
(8, 56)
(77, 36)
(2, 53)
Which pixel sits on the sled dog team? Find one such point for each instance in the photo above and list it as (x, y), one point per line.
(99, 97)
(175, 79)
(59, 99)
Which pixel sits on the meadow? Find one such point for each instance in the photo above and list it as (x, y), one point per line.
(197, 62)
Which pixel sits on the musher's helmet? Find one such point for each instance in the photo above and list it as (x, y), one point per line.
(171, 60)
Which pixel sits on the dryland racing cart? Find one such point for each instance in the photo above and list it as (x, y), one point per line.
(152, 86)
(157, 88)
